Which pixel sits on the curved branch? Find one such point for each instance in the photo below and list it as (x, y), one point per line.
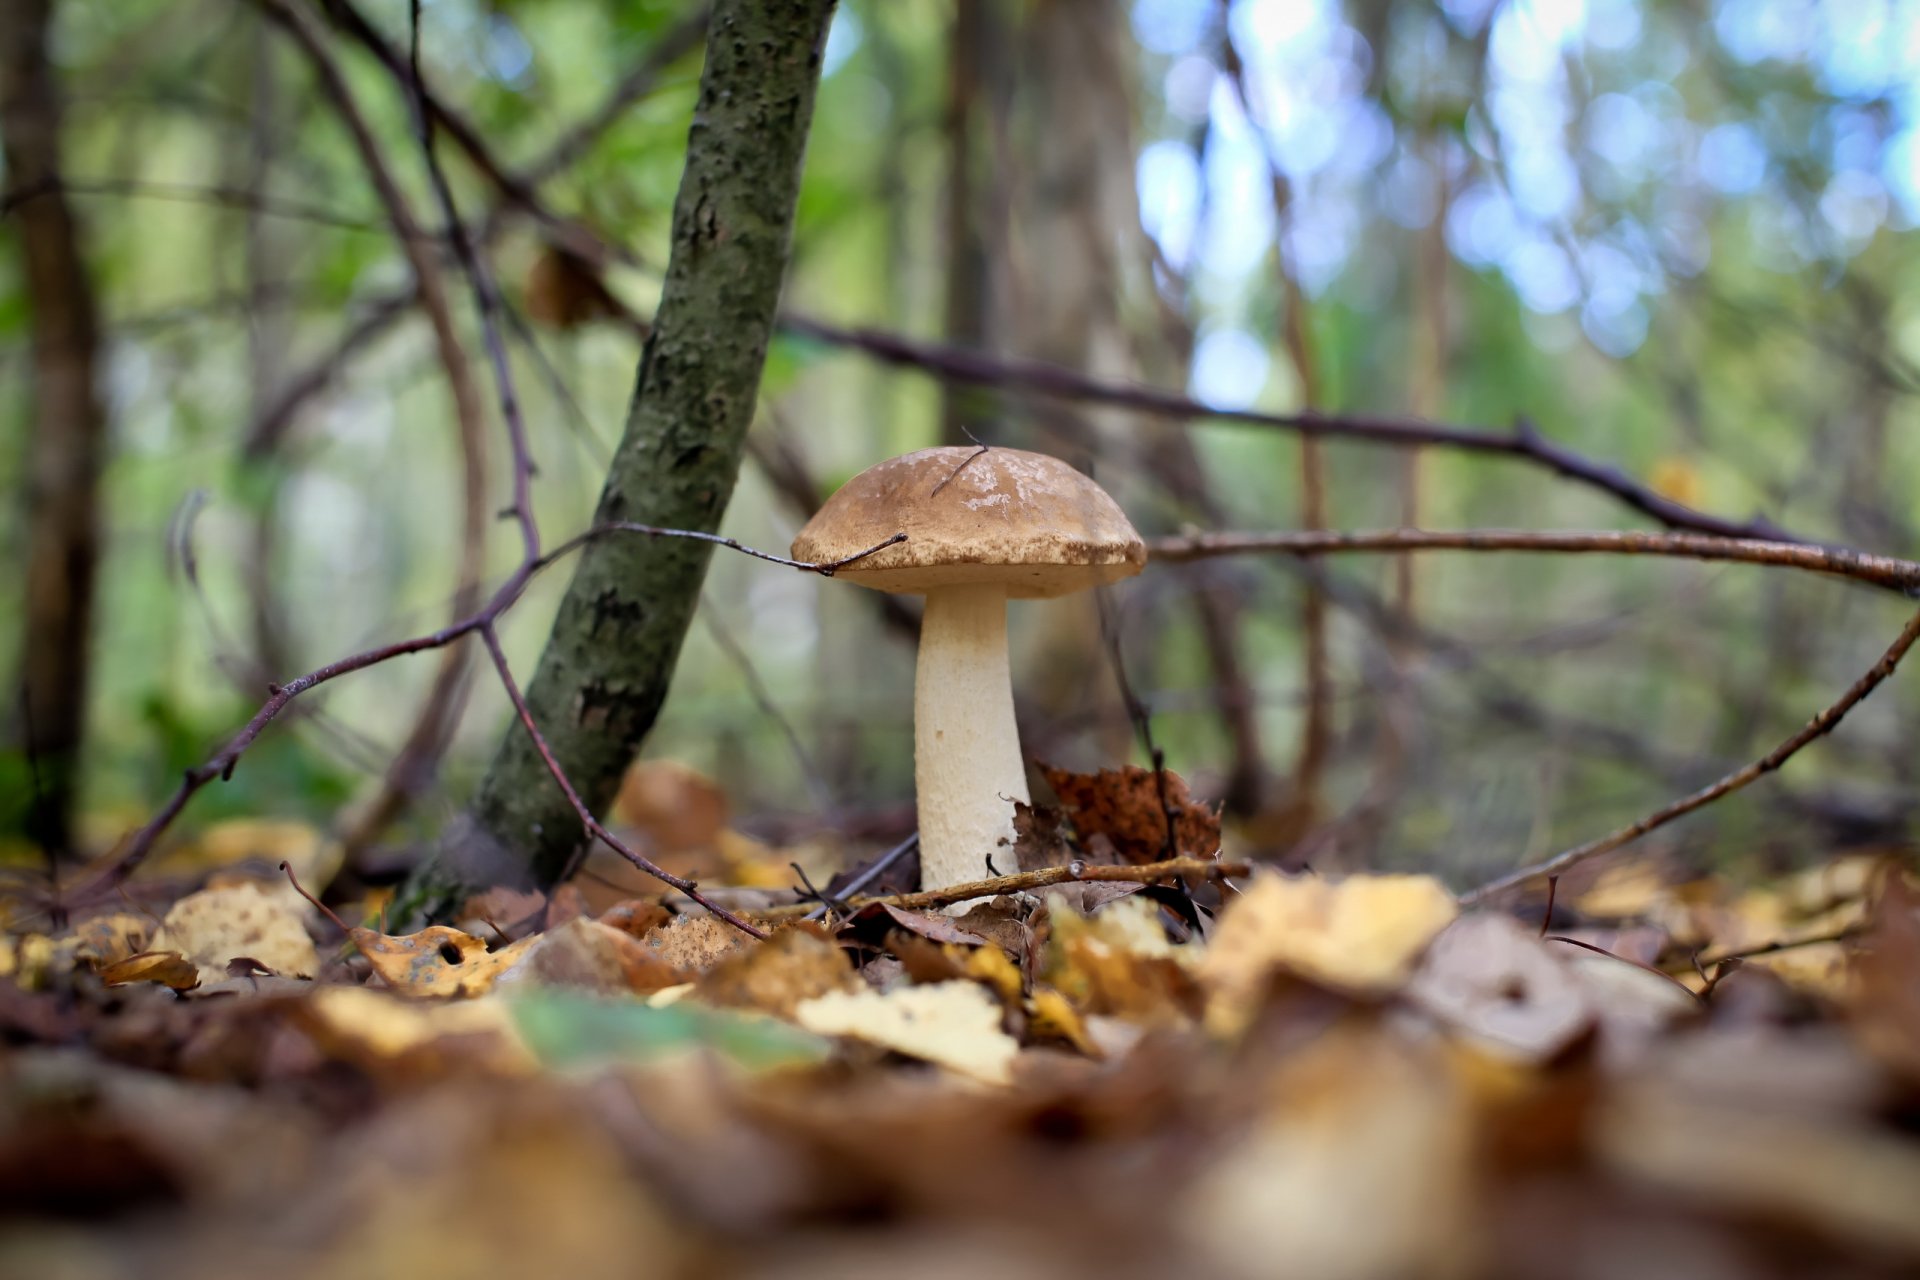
(1817, 727)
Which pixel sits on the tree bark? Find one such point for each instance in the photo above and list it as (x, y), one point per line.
(610, 656)
(69, 431)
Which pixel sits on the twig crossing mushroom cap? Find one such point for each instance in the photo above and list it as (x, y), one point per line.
(975, 515)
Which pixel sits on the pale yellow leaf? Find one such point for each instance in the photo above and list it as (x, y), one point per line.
(954, 1024)
(216, 926)
(1362, 934)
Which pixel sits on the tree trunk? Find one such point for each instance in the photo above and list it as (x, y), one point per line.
(610, 656)
(69, 431)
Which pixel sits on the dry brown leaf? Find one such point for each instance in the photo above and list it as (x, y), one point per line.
(1041, 838)
(437, 961)
(169, 968)
(677, 808)
(1126, 806)
(214, 927)
(1887, 978)
(587, 955)
(1361, 935)
(1494, 982)
(796, 964)
(954, 1024)
(694, 944)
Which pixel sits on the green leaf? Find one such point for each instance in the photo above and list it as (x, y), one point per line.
(566, 1029)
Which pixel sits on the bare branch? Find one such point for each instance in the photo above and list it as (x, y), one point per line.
(1881, 571)
(1817, 727)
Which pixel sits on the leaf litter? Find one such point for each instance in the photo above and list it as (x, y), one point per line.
(1343, 1078)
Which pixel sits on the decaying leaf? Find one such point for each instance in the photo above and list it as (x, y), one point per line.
(217, 926)
(954, 1024)
(796, 964)
(395, 1038)
(1119, 963)
(1126, 807)
(1361, 935)
(1494, 982)
(169, 968)
(1042, 838)
(694, 944)
(586, 955)
(1887, 977)
(437, 961)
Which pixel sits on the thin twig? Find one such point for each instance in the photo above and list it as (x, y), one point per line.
(1020, 882)
(1881, 571)
(221, 764)
(587, 820)
(1819, 726)
(873, 871)
(1524, 443)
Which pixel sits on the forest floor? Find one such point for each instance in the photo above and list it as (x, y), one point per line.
(1218, 1075)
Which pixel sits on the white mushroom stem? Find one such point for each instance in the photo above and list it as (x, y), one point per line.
(966, 750)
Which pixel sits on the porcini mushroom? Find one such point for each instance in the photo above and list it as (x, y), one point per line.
(983, 525)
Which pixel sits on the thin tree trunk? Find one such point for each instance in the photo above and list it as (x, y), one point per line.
(69, 432)
(611, 653)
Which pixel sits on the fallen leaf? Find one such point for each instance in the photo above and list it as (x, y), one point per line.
(1493, 981)
(1887, 977)
(1128, 807)
(401, 1039)
(1052, 1015)
(568, 1030)
(694, 944)
(215, 926)
(1119, 963)
(798, 963)
(437, 961)
(1041, 837)
(677, 808)
(586, 955)
(1360, 935)
(954, 1024)
(168, 968)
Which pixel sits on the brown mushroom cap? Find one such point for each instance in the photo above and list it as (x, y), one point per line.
(1006, 516)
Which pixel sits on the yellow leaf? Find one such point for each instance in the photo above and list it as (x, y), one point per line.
(215, 926)
(167, 967)
(383, 1033)
(1050, 1014)
(1362, 934)
(437, 961)
(954, 1024)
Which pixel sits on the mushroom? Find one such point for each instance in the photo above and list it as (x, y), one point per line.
(982, 525)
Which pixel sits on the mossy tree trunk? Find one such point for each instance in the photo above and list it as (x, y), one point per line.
(611, 654)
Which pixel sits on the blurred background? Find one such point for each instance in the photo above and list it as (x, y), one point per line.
(1676, 235)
